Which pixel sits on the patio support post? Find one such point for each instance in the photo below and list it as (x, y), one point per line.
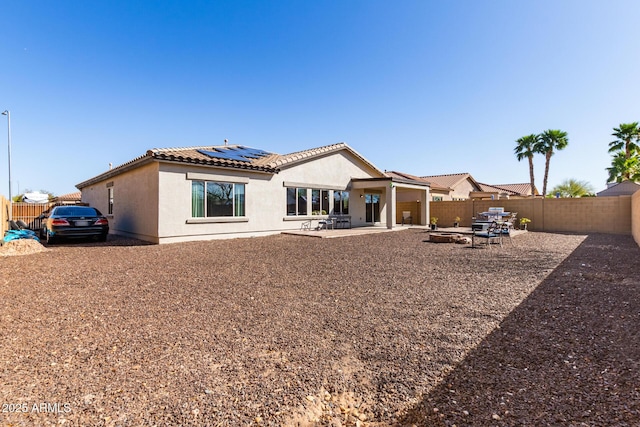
(424, 209)
(391, 205)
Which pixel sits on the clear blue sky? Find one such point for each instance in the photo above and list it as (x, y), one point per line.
(423, 87)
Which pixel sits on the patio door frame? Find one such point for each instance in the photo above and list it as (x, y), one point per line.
(373, 216)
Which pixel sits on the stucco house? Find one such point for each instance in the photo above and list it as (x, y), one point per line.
(462, 186)
(624, 188)
(200, 193)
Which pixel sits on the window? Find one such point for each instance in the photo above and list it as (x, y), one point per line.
(341, 202)
(296, 201)
(110, 198)
(213, 199)
(319, 202)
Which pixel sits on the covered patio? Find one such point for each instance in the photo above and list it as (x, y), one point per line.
(381, 201)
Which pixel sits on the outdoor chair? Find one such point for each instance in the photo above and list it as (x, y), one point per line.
(325, 223)
(493, 232)
(505, 230)
(406, 217)
(306, 225)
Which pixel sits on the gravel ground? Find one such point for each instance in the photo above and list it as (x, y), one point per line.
(374, 330)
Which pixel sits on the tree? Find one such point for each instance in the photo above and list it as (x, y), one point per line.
(526, 148)
(573, 188)
(628, 135)
(550, 141)
(623, 168)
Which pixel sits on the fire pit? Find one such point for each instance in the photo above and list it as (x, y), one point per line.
(444, 237)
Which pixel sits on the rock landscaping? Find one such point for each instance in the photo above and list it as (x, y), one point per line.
(372, 330)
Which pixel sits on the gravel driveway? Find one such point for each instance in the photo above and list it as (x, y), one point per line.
(374, 330)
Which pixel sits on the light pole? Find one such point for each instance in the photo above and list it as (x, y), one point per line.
(8, 114)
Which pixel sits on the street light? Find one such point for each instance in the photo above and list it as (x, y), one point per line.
(8, 114)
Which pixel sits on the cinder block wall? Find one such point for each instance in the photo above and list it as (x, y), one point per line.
(635, 216)
(580, 215)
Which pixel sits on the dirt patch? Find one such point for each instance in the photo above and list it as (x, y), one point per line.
(21, 247)
(368, 330)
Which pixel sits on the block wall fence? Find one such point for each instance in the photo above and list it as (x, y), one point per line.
(611, 215)
(635, 216)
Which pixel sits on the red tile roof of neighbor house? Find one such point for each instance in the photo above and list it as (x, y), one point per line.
(448, 180)
(69, 197)
(206, 155)
(523, 189)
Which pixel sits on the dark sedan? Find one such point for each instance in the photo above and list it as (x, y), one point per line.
(74, 221)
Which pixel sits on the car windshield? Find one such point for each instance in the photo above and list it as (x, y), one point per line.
(76, 211)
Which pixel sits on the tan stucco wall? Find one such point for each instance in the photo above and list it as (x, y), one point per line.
(135, 205)
(462, 190)
(635, 216)
(265, 194)
(580, 215)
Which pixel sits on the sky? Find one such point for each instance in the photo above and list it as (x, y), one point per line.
(422, 87)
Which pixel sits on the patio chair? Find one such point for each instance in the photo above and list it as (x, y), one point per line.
(505, 230)
(325, 223)
(306, 225)
(406, 217)
(493, 232)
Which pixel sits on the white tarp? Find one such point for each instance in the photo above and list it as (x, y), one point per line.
(35, 198)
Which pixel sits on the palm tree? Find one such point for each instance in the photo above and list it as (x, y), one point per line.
(550, 141)
(526, 148)
(573, 188)
(623, 168)
(628, 135)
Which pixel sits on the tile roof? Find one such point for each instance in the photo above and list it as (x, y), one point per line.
(449, 180)
(70, 197)
(523, 189)
(269, 163)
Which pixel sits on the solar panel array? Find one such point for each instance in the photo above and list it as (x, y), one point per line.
(239, 153)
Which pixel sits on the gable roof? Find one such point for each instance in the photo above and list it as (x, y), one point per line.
(523, 189)
(228, 156)
(450, 180)
(623, 188)
(70, 197)
(301, 156)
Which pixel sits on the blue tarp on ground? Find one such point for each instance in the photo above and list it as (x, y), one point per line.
(20, 234)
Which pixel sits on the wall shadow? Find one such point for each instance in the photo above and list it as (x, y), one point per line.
(568, 355)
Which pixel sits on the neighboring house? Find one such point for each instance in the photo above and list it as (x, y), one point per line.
(462, 186)
(68, 199)
(199, 193)
(456, 186)
(624, 188)
(503, 191)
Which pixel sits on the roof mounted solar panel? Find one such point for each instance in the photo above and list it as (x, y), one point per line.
(240, 154)
(253, 153)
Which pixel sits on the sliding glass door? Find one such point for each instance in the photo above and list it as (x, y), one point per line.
(372, 202)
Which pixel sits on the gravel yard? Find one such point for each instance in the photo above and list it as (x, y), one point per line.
(373, 330)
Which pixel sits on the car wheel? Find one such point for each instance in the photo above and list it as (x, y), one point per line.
(102, 238)
(50, 239)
